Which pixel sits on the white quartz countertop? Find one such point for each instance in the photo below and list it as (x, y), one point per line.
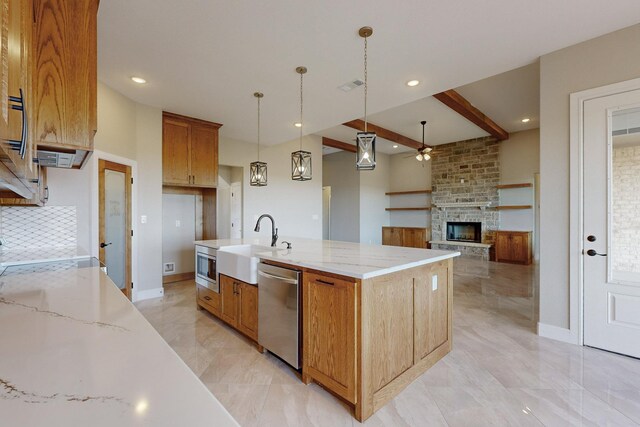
(75, 352)
(28, 256)
(357, 260)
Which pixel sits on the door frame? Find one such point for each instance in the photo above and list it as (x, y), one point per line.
(95, 210)
(576, 198)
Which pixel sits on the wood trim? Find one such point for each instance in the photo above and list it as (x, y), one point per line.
(179, 277)
(460, 105)
(397, 193)
(174, 189)
(387, 134)
(179, 117)
(339, 145)
(505, 186)
(423, 208)
(513, 207)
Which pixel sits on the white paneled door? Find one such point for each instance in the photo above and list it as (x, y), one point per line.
(611, 215)
(235, 213)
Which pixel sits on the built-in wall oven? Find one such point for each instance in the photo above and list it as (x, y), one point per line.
(206, 272)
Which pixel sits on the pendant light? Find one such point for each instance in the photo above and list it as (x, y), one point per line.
(423, 152)
(258, 169)
(365, 141)
(301, 160)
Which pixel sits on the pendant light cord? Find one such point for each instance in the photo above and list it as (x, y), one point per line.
(301, 77)
(365, 84)
(258, 128)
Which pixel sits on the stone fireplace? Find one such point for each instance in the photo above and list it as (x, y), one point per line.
(465, 175)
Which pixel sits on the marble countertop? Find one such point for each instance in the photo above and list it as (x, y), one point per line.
(28, 256)
(357, 260)
(74, 351)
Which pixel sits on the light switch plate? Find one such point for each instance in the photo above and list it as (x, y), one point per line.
(434, 283)
(143, 219)
(178, 224)
(315, 217)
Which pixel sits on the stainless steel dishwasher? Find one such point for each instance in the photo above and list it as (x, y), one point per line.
(278, 312)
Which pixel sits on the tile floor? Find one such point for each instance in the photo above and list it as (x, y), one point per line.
(499, 372)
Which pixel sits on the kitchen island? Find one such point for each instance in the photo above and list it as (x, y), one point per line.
(374, 318)
(75, 352)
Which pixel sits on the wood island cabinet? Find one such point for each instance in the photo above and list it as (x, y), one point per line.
(367, 339)
(189, 151)
(513, 247)
(238, 305)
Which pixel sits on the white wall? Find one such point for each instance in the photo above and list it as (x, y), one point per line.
(373, 201)
(132, 131)
(177, 240)
(519, 161)
(612, 58)
(339, 173)
(406, 174)
(295, 206)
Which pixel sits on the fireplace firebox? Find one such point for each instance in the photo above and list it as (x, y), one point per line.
(464, 232)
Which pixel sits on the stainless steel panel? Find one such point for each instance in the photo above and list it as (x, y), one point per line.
(278, 312)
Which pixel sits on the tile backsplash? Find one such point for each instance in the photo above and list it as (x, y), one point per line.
(30, 228)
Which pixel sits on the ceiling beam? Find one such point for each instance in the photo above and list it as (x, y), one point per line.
(460, 105)
(387, 134)
(338, 144)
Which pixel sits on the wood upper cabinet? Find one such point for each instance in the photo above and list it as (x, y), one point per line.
(189, 151)
(239, 305)
(513, 247)
(329, 337)
(430, 310)
(65, 73)
(411, 237)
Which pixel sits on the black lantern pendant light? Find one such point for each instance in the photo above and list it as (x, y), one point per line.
(258, 169)
(301, 160)
(365, 141)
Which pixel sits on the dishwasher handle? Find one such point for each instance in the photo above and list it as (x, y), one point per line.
(282, 279)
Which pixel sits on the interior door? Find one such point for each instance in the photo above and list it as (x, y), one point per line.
(114, 182)
(611, 196)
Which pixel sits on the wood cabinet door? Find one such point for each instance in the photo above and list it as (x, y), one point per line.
(414, 237)
(204, 156)
(392, 236)
(248, 305)
(209, 299)
(65, 61)
(329, 333)
(517, 247)
(431, 316)
(176, 152)
(503, 250)
(229, 309)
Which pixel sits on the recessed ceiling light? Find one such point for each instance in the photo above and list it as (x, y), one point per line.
(412, 83)
(526, 120)
(138, 80)
(395, 145)
(298, 124)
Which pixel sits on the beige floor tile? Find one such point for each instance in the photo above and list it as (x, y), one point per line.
(625, 401)
(243, 401)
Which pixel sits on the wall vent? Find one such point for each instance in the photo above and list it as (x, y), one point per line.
(169, 267)
(351, 85)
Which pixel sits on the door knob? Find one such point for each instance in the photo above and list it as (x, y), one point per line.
(104, 245)
(592, 252)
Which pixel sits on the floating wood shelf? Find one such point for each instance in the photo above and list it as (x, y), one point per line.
(422, 208)
(505, 186)
(397, 193)
(514, 207)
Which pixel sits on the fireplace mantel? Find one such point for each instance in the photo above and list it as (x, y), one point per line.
(479, 205)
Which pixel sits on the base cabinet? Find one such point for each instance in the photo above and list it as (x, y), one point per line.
(239, 305)
(513, 247)
(366, 340)
(410, 237)
(208, 299)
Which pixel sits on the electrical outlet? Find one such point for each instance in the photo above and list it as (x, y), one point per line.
(178, 223)
(434, 283)
(143, 219)
(169, 267)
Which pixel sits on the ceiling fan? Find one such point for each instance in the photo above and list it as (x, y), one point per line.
(423, 152)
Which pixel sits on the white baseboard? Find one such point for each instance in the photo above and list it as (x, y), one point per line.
(148, 294)
(557, 333)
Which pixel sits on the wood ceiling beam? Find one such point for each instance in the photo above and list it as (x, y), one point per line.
(338, 144)
(460, 105)
(387, 134)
